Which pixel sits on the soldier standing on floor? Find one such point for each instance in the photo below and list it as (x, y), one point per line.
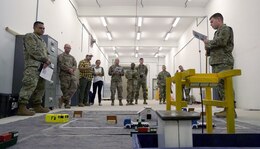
(68, 81)
(85, 80)
(220, 52)
(116, 72)
(186, 90)
(35, 58)
(131, 76)
(162, 83)
(142, 71)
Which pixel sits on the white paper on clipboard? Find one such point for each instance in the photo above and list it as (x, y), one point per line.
(47, 72)
(199, 35)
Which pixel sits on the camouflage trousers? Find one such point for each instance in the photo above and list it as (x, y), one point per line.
(216, 69)
(144, 87)
(130, 91)
(116, 85)
(33, 87)
(68, 85)
(186, 92)
(162, 94)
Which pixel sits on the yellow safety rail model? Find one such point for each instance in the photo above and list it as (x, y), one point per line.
(192, 80)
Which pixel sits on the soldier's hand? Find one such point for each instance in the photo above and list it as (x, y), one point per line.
(71, 71)
(45, 65)
(206, 41)
(48, 62)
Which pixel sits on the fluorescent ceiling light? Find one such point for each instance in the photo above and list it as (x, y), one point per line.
(156, 55)
(137, 48)
(103, 20)
(114, 48)
(109, 36)
(138, 36)
(136, 54)
(116, 54)
(140, 21)
(167, 36)
(176, 21)
(160, 49)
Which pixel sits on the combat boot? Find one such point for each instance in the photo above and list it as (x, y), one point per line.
(67, 104)
(136, 102)
(216, 113)
(60, 101)
(160, 102)
(23, 111)
(112, 103)
(164, 102)
(81, 105)
(145, 103)
(223, 114)
(120, 103)
(40, 109)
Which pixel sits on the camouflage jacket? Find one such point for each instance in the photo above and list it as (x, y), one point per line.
(161, 78)
(221, 47)
(88, 70)
(66, 62)
(131, 74)
(116, 71)
(35, 50)
(142, 71)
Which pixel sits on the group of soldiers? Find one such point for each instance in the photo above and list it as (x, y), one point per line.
(36, 57)
(136, 78)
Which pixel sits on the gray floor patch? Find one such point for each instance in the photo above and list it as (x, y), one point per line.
(90, 132)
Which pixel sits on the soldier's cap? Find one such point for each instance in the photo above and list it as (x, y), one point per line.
(89, 54)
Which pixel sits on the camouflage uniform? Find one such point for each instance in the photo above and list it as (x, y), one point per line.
(186, 91)
(85, 81)
(220, 51)
(68, 81)
(142, 71)
(131, 76)
(162, 84)
(116, 71)
(35, 54)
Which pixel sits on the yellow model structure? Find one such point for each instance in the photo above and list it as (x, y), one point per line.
(56, 118)
(190, 79)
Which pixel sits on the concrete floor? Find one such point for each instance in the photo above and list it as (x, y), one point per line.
(244, 115)
(53, 132)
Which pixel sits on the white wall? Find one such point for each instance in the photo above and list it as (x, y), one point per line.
(190, 52)
(60, 21)
(14, 16)
(243, 16)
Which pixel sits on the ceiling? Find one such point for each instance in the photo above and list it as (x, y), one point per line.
(122, 16)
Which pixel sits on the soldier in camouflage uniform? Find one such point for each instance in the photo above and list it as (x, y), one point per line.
(161, 82)
(220, 51)
(35, 58)
(142, 71)
(85, 80)
(68, 81)
(131, 76)
(116, 72)
(186, 90)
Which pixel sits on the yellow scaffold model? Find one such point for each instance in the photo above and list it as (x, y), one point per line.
(192, 80)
